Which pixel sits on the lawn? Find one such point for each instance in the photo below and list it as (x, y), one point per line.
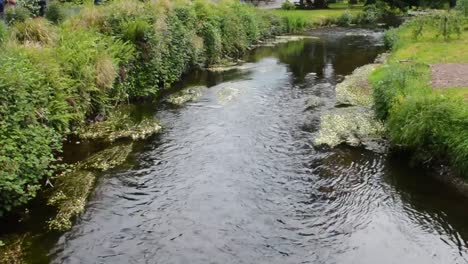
(318, 16)
(433, 123)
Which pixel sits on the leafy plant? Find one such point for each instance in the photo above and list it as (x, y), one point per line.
(391, 38)
(288, 5)
(31, 5)
(16, 14)
(345, 19)
(55, 12)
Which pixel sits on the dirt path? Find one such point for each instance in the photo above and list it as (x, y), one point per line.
(449, 75)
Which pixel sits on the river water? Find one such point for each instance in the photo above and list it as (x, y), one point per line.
(235, 178)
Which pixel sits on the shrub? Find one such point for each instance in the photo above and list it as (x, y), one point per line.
(16, 14)
(370, 15)
(345, 19)
(55, 13)
(391, 38)
(34, 114)
(31, 5)
(396, 81)
(288, 5)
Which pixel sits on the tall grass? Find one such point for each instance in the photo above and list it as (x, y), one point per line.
(431, 122)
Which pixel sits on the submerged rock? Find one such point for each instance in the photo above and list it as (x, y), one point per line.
(120, 124)
(72, 188)
(283, 39)
(314, 102)
(229, 67)
(356, 89)
(227, 94)
(189, 94)
(355, 126)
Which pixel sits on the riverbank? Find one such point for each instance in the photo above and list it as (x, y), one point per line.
(58, 78)
(299, 20)
(431, 122)
(62, 77)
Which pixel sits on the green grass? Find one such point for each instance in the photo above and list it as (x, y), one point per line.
(311, 18)
(429, 49)
(431, 122)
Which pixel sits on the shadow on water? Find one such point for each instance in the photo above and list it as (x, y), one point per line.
(234, 178)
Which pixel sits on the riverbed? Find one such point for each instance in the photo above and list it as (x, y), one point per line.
(235, 177)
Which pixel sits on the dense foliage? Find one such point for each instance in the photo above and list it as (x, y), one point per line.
(54, 77)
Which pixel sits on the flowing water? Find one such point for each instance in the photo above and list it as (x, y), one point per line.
(234, 178)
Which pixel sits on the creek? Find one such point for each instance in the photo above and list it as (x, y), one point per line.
(235, 177)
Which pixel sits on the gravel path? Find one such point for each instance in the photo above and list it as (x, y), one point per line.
(449, 75)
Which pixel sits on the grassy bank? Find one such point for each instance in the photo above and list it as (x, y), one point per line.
(54, 77)
(340, 14)
(314, 18)
(431, 122)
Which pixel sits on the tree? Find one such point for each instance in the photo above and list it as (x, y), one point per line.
(321, 3)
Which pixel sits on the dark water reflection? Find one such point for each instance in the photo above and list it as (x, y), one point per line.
(235, 179)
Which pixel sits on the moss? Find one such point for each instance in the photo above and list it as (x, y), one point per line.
(356, 89)
(352, 125)
(227, 94)
(185, 95)
(229, 67)
(108, 158)
(283, 39)
(314, 102)
(120, 124)
(73, 188)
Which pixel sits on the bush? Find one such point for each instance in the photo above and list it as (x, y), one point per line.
(16, 14)
(34, 113)
(55, 13)
(370, 15)
(345, 19)
(288, 5)
(31, 5)
(391, 38)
